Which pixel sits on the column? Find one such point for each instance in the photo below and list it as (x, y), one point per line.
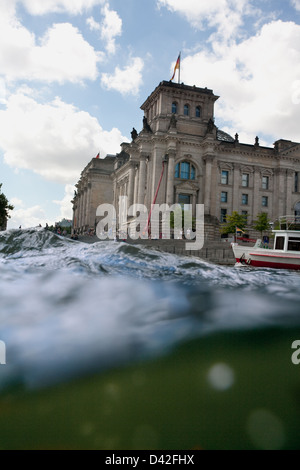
(115, 193)
(289, 190)
(89, 222)
(194, 203)
(84, 205)
(131, 187)
(281, 192)
(142, 180)
(136, 185)
(207, 194)
(236, 188)
(171, 177)
(81, 208)
(256, 201)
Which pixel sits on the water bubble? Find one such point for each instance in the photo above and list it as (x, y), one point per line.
(266, 430)
(145, 437)
(221, 377)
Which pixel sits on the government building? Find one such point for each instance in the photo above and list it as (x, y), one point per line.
(181, 156)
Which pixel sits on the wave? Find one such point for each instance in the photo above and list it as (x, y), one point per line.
(69, 308)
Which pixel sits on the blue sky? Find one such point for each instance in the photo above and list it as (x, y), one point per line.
(74, 73)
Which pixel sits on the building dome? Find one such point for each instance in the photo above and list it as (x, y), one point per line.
(224, 137)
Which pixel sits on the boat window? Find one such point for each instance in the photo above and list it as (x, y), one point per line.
(279, 243)
(294, 244)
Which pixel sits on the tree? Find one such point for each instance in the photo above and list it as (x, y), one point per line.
(234, 221)
(5, 207)
(262, 224)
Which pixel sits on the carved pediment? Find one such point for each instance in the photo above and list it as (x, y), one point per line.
(225, 166)
(187, 186)
(266, 172)
(247, 169)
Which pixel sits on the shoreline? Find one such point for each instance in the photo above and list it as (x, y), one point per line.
(214, 252)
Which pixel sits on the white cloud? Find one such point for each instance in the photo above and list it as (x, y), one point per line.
(27, 217)
(66, 211)
(257, 80)
(16, 202)
(126, 81)
(92, 24)
(296, 4)
(74, 7)
(225, 15)
(111, 27)
(55, 140)
(62, 54)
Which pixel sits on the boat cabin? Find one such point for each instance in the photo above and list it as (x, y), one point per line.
(287, 238)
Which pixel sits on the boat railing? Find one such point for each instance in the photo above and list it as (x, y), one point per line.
(287, 222)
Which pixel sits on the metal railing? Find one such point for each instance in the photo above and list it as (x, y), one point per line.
(287, 222)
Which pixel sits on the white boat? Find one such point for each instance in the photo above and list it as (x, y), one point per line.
(285, 253)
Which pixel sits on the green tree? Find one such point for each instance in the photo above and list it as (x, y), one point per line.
(5, 207)
(262, 224)
(234, 221)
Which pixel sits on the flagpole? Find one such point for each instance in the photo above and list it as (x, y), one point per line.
(179, 67)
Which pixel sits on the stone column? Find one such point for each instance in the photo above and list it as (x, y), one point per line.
(85, 205)
(236, 187)
(281, 192)
(131, 187)
(256, 202)
(136, 185)
(207, 194)
(115, 199)
(194, 202)
(171, 177)
(289, 190)
(89, 222)
(80, 215)
(142, 180)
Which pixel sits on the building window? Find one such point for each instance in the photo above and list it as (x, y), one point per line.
(225, 177)
(296, 181)
(245, 214)
(265, 182)
(245, 199)
(223, 216)
(186, 110)
(198, 111)
(174, 108)
(245, 180)
(265, 201)
(224, 196)
(185, 171)
(184, 199)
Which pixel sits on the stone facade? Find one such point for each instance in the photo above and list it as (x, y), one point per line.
(196, 162)
(94, 187)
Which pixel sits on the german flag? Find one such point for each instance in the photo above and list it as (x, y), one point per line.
(177, 67)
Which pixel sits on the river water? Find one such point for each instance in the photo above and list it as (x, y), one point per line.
(115, 346)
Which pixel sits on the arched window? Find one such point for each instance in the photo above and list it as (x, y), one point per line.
(174, 108)
(198, 111)
(186, 110)
(185, 171)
